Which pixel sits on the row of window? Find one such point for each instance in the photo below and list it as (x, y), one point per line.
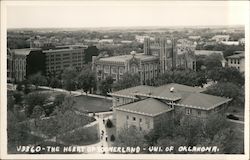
(234, 61)
(134, 119)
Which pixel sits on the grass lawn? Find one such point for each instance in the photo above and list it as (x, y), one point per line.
(92, 104)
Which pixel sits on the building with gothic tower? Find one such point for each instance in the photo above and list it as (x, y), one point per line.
(159, 56)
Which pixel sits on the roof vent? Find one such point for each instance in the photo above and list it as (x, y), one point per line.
(171, 89)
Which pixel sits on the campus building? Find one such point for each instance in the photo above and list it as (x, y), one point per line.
(10, 76)
(23, 64)
(62, 57)
(159, 56)
(144, 106)
(237, 61)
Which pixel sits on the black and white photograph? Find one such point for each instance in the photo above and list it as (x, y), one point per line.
(125, 79)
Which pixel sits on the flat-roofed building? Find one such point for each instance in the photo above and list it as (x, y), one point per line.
(237, 61)
(63, 57)
(145, 106)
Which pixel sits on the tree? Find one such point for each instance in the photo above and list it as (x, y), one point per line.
(34, 99)
(129, 137)
(228, 89)
(106, 85)
(109, 123)
(227, 75)
(87, 80)
(18, 97)
(128, 80)
(54, 82)
(69, 78)
(37, 112)
(213, 61)
(38, 79)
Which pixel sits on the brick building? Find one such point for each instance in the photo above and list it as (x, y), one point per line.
(237, 61)
(144, 106)
(62, 57)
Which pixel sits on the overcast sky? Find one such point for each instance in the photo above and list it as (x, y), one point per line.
(128, 13)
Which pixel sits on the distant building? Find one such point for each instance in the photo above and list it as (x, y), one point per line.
(106, 41)
(159, 55)
(10, 60)
(20, 64)
(145, 106)
(237, 61)
(230, 43)
(219, 38)
(41, 42)
(194, 37)
(62, 57)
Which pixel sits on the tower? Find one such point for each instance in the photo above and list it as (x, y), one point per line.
(146, 46)
(168, 53)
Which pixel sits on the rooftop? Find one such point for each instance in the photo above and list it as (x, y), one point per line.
(164, 92)
(24, 51)
(183, 95)
(202, 101)
(207, 52)
(130, 92)
(124, 58)
(241, 55)
(149, 106)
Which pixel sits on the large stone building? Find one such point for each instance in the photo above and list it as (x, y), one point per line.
(160, 55)
(237, 61)
(59, 58)
(144, 106)
(21, 61)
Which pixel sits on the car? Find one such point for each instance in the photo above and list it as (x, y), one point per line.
(233, 117)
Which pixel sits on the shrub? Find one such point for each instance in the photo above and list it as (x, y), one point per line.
(109, 124)
(112, 138)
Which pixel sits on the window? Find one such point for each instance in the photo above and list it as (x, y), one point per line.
(106, 69)
(121, 70)
(199, 113)
(238, 61)
(188, 111)
(134, 119)
(127, 117)
(140, 120)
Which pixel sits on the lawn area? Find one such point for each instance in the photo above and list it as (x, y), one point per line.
(92, 104)
(83, 136)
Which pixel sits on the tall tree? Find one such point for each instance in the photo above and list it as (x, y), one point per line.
(87, 80)
(69, 78)
(34, 99)
(37, 79)
(106, 85)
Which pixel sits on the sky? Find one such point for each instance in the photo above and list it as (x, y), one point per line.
(125, 14)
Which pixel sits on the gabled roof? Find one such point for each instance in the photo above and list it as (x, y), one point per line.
(236, 56)
(149, 107)
(202, 101)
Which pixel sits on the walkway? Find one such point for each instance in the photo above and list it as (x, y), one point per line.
(76, 93)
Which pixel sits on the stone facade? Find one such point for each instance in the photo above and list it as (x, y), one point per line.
(159, 56)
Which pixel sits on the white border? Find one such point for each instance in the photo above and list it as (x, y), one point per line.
(3, 87)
